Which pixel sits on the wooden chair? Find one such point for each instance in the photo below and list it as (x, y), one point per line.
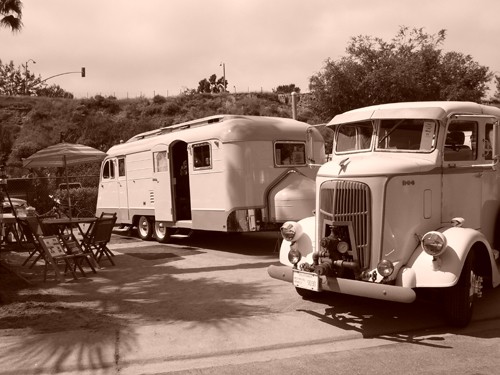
(30, 233)
(99, 236)
(74, 248)
(54, 255)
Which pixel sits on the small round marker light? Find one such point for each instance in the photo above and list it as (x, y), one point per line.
(385, 268)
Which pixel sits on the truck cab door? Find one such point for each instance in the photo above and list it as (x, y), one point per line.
(462, 177)
(162, 187)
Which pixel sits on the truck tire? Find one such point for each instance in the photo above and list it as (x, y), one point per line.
(145, 228)
(161, 232)
(459, 299)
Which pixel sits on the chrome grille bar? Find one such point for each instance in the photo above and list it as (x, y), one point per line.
(349, 201)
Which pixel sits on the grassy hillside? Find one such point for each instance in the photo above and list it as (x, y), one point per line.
(31, 123)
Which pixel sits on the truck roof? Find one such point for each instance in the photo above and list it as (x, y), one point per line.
(437, 110)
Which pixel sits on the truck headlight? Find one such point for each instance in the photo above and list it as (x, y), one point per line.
(291, 231)
(434, 243)
(385, 268)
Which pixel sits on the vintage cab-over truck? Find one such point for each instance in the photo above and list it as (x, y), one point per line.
(409, 201)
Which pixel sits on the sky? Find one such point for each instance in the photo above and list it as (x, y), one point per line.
(162, 47)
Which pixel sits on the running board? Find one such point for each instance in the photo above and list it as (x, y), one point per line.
(182, 233)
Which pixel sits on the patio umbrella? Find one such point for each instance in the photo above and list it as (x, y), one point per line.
(62, 155)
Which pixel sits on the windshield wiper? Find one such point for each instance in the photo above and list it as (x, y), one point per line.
(390, 131)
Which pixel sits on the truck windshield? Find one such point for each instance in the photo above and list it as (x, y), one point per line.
(406, 134)
(355, 136)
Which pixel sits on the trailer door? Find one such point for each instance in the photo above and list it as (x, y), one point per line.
(123, 213)
(162, 183)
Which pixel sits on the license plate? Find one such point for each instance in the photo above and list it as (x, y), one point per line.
(306, 280)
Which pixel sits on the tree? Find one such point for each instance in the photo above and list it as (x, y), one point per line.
(20, 81)
(212, 85)
(287, 89)
(496, 95)
(411, 67)
(11, 14)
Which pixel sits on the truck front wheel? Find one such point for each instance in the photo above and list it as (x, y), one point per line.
(145, 228)
(459, 299)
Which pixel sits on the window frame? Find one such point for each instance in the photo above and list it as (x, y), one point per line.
(202, 166)
(291, 164)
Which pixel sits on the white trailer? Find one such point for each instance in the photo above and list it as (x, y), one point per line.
(221, 173)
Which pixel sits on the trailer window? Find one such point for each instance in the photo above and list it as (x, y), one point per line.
(290, 153)
(202, 157)
(160, 160)
(121, 167)
(108, 171)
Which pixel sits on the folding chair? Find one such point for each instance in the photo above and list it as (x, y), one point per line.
(74, 248)
(99, 236)
(55, 254)
(30, 232)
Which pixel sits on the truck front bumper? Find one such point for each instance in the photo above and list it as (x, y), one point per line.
(352, 287)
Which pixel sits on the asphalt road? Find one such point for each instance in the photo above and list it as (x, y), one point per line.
(271, 329)
(206, 305)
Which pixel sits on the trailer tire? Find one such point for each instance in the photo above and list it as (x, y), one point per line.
(459, 299)
(161, 232)
(145, 228)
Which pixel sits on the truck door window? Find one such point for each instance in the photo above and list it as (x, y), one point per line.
(289, 153)
(488, 148)
(354, 137)
(461, 141)
(202, 156)
(108, 171)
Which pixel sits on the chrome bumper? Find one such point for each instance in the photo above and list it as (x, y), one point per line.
(352, 287)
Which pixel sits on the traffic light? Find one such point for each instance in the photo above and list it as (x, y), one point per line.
(83, 71)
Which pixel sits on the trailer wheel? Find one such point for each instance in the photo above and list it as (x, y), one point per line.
(162, 232)
(145, 228)
(459, 299)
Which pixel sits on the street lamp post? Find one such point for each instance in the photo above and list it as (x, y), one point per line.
(223, 76)
(26, 75)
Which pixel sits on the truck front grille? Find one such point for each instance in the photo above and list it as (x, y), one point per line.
(349, 201)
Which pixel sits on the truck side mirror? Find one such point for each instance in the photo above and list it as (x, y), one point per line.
(311, 161)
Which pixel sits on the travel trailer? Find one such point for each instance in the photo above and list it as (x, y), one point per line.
(408, 202)
(221, 173)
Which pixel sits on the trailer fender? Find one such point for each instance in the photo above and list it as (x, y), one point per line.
(305, 243)
(444, 270)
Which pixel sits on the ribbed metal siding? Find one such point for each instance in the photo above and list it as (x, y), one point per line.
(350, 201)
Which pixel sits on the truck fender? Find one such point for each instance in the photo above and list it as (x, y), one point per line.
(443, 271)
(305, 243)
